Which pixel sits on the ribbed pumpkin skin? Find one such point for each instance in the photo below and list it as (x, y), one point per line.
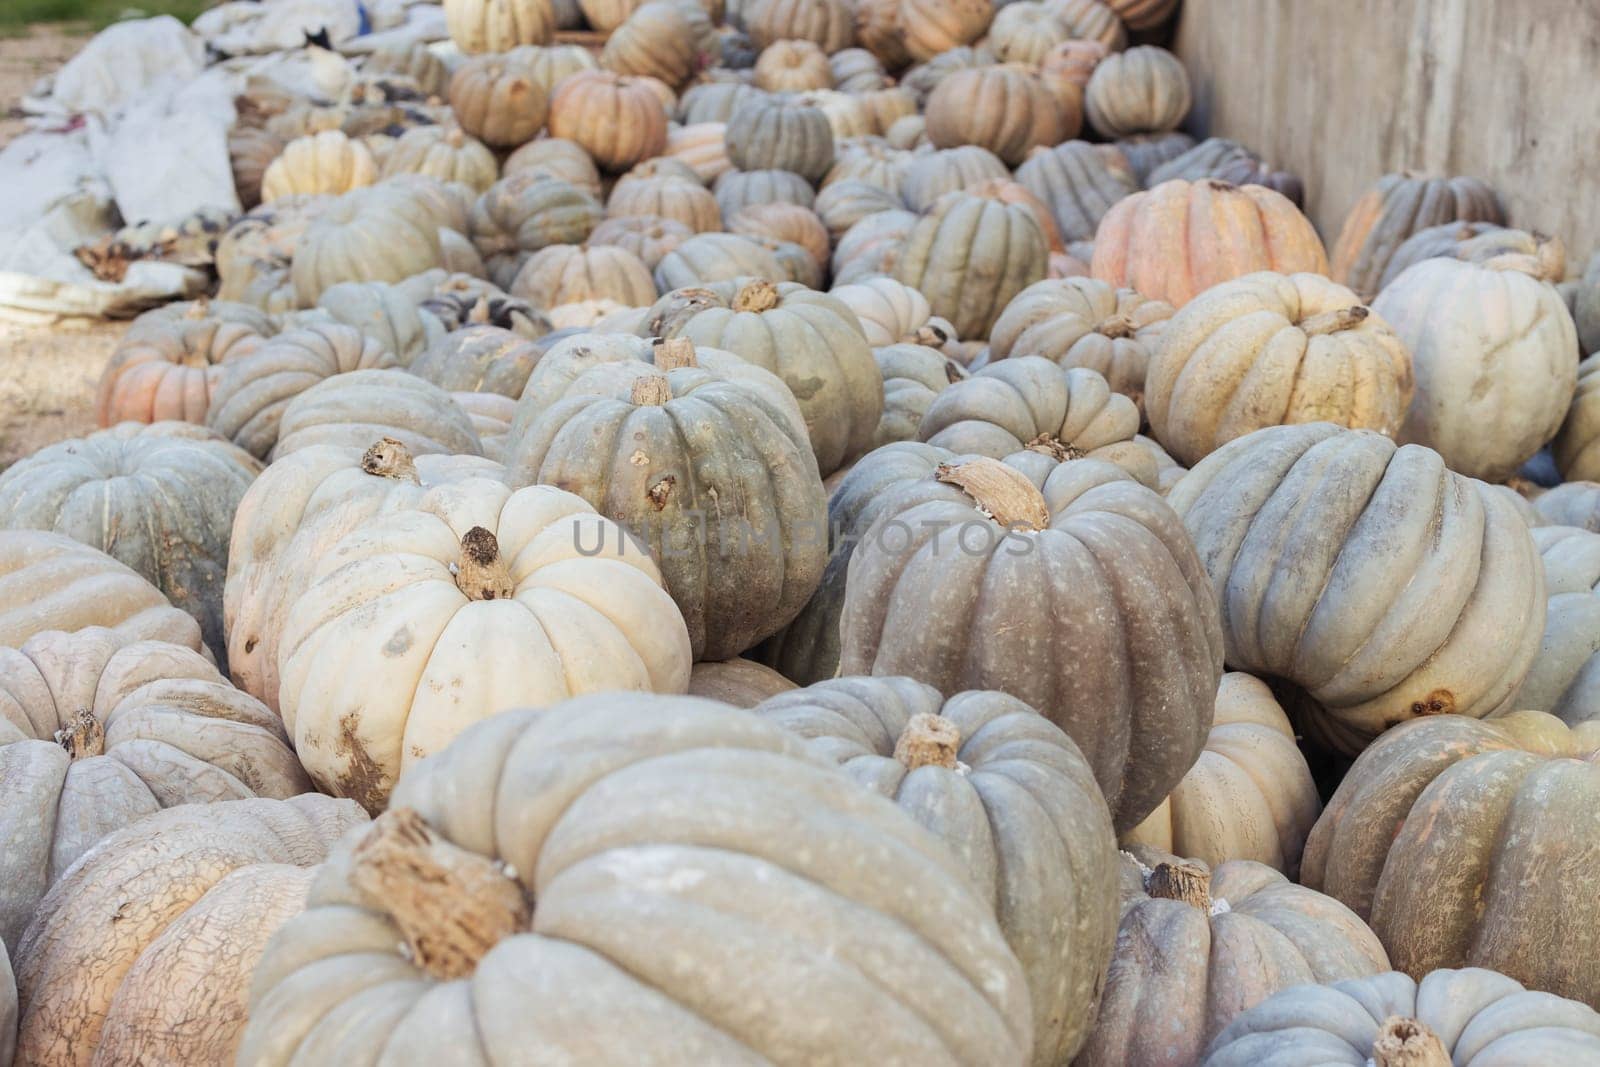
(1366, 573)
(1577, 444)
(1031, 403)
(809, 339)
(446, 154)
(1142, 90)
(893, 313)
(1472, 242)
(1092, 20)
(868, 249)
(607, 15)
(1493, 348)
(1481, 1017)
(1140, 15)
(1180, 974)
(1021, 811)
(913, 376)
(1005, 109)
(928, 177)
(380, 234)
(1181, 238)
(668, 198)
(480, 359)
(792, 67)
(413, 61)
(740, 682)
(774, 134)
(168, 730)
(970, 256)
(499, 100)
(660, 40)
(856, 70)
(649, 237)
(526, 212)
(788, 224)
(568, 274)
(555, 157)
(1444, 833)
(168, 363)
(143, 951)
(1081, 322)
(1395, 208)
(48, 581)
(326, 162)
(1271, 350)
(1565, 680)
(618, 120)
(1250, 795)
(248, 403)
(702, 146)
(826, 23)
(929, 27)
(357, 408)
(159, 498)
(902, 960)
(499, 25)
(708, 258)
(1023, 32)
(1229, 161)
(1031, 619)
(1080, 182)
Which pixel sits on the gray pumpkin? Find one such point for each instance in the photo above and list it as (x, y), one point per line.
(913, 375)
(736, 190)
(521, 214)
(1079, 182)
(929, 177)
(1016, 802)
(774, 133)
(386, 313)
(481, 359)
(1565, 679)
(1396, 207)
(715, 257)
(358, 408)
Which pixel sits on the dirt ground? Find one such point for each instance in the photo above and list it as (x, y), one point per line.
(47, 373)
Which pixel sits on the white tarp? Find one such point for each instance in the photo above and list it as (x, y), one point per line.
(126, 62)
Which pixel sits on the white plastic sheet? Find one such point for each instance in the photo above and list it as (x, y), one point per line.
(125, 63)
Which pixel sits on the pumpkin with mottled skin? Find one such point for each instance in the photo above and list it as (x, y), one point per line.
(169, 362)
(358, 407)
(1079, 182)
(1565, 679)
(1142, 90)
(1396, 207)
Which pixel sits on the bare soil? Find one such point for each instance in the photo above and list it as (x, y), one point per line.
(47, 373)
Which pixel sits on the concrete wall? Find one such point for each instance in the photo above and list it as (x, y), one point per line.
(1343, 91)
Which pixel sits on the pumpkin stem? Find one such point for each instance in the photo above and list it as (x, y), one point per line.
(931, 336)
(1404, 1042)
(455, 137)
(928, 741)
(1055, 447)
(1117, 326)
(1548, 262)
(1334, 321)
(650, 390)
(1002, 493)
(759, 295)
(198, 308)
(481, 311)
(82, 736)
(452, 906)
(388, 458)
(674, 353)
(1185, 881)
(480, 572)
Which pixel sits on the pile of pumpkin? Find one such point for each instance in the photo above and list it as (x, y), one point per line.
(728, 550)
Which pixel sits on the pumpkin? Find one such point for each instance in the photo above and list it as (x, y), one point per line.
(49, 581)
(461, 300)
(1570, 504)
(775, 134)
(846, 116)
(248, 403)
(1017, 803)
(1229, 161)
(251, 151)
(702, 146)
(855, 70)
(1070, 64)
(1198, 946)
(787, 224)
(360, 406)
(732, 511)
(1142, 90)
(809, 339)
(167, 365)
(795, 264)
(1180, 238)
(792, 67)
(1024, 31)
(555, 158)
(1023, 621)
(660, 168)
(1574, 447)
(1092, 20)
(929, 27)
(970, 256)
(1270, 350)
(606, 15)
(1562, 679)
(1004, 109)
(159, 498)
(386, 233)
(714, 257)
(326, 162)
(1467, 1016)
(99, 730)
(878, 30)
(922, 79)
(1030, 403)
(1007, 191)
(521, 214)
(871, 160)
(669, 197)
(388, 314)
(618, 120)
(1395, 208)
(893, 313)
(1446, 835)
(871, 247)
(828, 24)
(648, 237)
(499, 100)
(913, 375)
(480, 359)
(662, 40)
(840, 205)
(1475, 242)
(1250, 796)
(904, 953)
(1586, 307)
(414, 61)
(929, 177)
(1080, 322)
(491, 416)
(737, 189)
(498, 25)
(446, 153)
(566, 274)
(714, 101)
(1145, 152)
(1492, 345)
(1366, 573)
(142, 952)
(740, 682)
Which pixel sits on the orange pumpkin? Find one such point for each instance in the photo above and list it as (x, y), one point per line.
(617, 119)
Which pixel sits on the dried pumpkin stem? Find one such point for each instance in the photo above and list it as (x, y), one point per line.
(674, 353)
(928, 741)
(1117, 326)
(1334, 321)
(1185, 881)
(931, 336)
(388, 458)
(1548, 262)
(757, 296)
(480, 572)
(452, 906)
(481, 311)
(1003, 493)
(1055, 447)
(650, 390)
(82, 736)
(1405, 1042)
